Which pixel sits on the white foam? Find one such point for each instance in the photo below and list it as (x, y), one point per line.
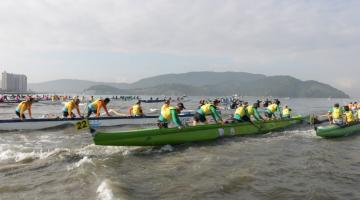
(17, 156)
(167, 148)
(81, 162)
(93, 149)
(104, 191)
(275, 136)
(310, 133)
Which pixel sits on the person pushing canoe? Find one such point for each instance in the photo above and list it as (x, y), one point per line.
(136, 109)
(165, 106)
(252, 111)
(348, 116)
(171, 114)
(23, 106)
(96, 106)
(70, 106)
(335, 115)
(207, 109)
(286, 112)
(272, 109)
(241, 113)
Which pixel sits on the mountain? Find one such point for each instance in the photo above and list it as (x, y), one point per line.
(105, 89)
(204, 84)
(70, 86)
(197, 78)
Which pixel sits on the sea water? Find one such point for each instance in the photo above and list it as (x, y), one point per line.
(291, 164)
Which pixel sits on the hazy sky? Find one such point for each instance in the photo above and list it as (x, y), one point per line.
(125, 40)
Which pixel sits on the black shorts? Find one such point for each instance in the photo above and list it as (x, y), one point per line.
(66, 114)
(162, 124)
(269, 115)
(90, 112)
(245, 118)
(199, 117)
(18, 114)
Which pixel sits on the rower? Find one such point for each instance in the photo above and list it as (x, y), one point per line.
(91, 99)
(136, 109)
(23, 106)
(349, 117)
(335, 115)
(286, 112)
(171, 114)
(266, 103)
(241, 113)
(272, 109)
(96, 106)
(252, 111)
(208, 109)
(201, 103)
(165, 106)
(69, 107)
(354, 107)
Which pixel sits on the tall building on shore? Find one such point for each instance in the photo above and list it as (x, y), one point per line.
(13, 82)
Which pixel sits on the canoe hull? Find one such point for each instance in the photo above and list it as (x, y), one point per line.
(154, 137)
(334, 131)
(38, 124)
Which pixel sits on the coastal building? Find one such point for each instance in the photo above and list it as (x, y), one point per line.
(13, 82)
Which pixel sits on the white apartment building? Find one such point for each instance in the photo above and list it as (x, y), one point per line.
(13, 82)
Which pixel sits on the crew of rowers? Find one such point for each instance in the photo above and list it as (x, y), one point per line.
(93, 107)
(345, 115)
(244, 113)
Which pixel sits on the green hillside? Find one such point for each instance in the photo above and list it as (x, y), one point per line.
(204, 84)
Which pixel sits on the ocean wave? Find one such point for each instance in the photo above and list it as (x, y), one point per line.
(85, 160)
(24, 157)
(104, 191)
(95, 150)
(308, 133)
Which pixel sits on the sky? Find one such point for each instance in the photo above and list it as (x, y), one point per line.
(126, 40)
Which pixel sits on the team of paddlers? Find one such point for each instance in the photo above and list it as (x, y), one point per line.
(244, 112)
(344, 115)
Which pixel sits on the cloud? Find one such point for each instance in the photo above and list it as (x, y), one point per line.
(296, 37)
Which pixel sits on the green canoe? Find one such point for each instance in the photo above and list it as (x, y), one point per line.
(333, 131)
(153, 137)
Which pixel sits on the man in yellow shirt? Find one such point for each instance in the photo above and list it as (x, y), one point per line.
(96, 106)
(335, 115)
(136, 109)
(22, 107)
(69, 107)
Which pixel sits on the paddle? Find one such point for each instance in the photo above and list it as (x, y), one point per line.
(117, 113)
(252, 123)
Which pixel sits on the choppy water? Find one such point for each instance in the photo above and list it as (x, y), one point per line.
(291, 164)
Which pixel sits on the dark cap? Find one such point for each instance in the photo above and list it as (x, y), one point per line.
(216, 101)
(181, 105)
(76, 101)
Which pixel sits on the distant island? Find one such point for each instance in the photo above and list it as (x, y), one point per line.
(200, 84)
